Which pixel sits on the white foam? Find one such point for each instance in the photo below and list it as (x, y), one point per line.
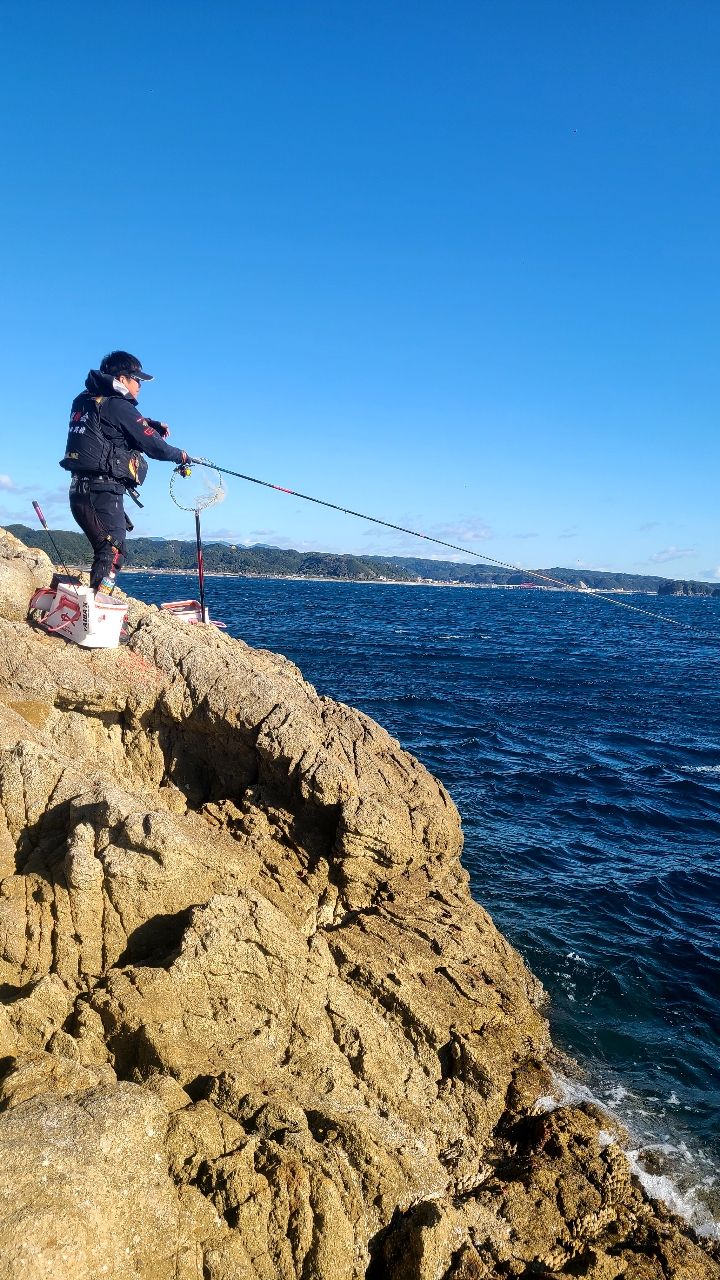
(545, 1104)
(668, 1148)
(683, 1201)
(566, 1093)
(617, 1095)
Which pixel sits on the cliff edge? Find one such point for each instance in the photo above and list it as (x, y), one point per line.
(253, 1025)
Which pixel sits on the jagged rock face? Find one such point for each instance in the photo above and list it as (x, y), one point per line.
(253, 1024)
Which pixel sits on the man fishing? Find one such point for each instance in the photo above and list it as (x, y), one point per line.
(107, 439)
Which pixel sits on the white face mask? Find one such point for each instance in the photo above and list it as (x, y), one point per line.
(125, 391)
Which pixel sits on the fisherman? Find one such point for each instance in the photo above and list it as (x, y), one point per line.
(107, 439)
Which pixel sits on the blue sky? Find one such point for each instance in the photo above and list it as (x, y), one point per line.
(452, 264)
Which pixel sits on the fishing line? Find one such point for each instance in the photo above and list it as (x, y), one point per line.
(440, 542)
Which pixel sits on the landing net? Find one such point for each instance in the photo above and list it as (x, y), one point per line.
(200, 487)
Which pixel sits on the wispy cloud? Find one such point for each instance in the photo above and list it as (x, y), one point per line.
(522, 537)
(473, 529)
(51, 497)
(369, 540)
(225, 534)
(270, 537)
(10, 516)
(54, 503)
(8, 485)
(571, 532)
(648, 526)
(391, 542)
(673, 553)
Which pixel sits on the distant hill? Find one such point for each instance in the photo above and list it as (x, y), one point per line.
(220, 557)
(674, 587)
(449, 571)
(261, 561)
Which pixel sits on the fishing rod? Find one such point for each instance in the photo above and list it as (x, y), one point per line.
(452, 546)
(200, 568)
(44, 523)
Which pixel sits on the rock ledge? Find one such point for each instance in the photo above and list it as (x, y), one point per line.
(253, 1025)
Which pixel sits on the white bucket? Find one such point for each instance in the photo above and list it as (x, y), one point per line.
(189, 611)
(185, 610)
(76, 613)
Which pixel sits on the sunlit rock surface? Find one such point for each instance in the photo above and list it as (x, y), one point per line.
(253, 1024)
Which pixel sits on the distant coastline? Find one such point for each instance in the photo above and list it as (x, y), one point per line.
(384, 582)
(173, 556)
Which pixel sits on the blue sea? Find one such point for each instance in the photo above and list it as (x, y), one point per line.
(581, 744)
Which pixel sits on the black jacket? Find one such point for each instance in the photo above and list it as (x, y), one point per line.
(103, 422)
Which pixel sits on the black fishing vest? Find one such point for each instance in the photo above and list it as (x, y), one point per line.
(97, 447)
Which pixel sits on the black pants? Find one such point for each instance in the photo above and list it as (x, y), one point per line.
(101, 516)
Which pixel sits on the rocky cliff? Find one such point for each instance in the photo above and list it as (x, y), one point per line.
(253, 1025)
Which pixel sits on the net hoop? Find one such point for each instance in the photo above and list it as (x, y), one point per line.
(214, 482)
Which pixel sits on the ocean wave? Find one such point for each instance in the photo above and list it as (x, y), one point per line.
(687, 1181)
(690, 1203)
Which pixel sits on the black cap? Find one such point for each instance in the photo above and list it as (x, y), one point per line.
(118, 362)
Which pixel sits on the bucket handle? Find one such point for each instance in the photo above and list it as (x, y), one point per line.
(68, 622)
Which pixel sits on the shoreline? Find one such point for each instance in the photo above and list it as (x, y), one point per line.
(388, 582)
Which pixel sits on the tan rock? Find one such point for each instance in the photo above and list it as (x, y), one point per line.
(22, 571)
(253, 1024)
(84, 1187)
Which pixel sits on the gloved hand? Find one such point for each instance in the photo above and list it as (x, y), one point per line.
(162, 428)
